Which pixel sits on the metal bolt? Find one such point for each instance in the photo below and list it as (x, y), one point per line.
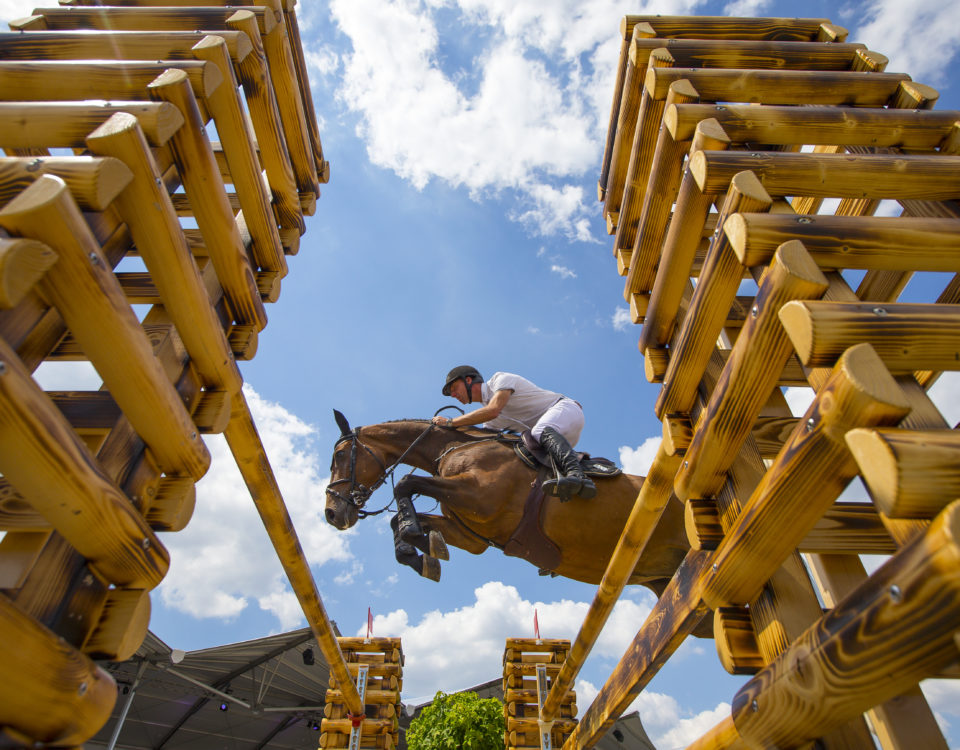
(193, 436)
(804, 220)
(35, 165)
(881, 311)
(94, 258)
(754, 311)
(720, 108)
(145, 543)
(686, 464)
(896, 594)
(756, 155)
(88, 580)
(715, 567)
(82, 689)
(754, 706)
(811, 423)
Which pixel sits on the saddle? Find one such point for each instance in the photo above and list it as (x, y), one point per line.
(528, 540)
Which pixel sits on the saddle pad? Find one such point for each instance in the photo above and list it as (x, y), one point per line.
(592, 467)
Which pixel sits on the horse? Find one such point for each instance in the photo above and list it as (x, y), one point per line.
(482, 487)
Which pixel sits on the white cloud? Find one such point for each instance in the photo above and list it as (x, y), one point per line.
(621, 319)
(669, 725)
(67, 376)
(223, 559)
(798, 399)
(563, 272)
(526, 113)
(945, 393)
(434, 647)
(638, 460)
(895, 28)
(944, 698)
(746, 8)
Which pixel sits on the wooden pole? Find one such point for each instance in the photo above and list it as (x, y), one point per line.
(94, 182)
(65, 708)
(909, 473)
(731, 54)
(880, 243)
(725, 27)
(236, 140)
(145, 207)
(197, 168)
(22, 265)
(908, 337)
(84, 290)
(653, 498)
(810, 472)
(248, 451)
(53, 471)
(751, 372)
(66, 124)
(894, 630)
(152, 19)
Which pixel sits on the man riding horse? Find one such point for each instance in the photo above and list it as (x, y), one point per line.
(514, 403)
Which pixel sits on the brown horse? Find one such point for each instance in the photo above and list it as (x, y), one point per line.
(482, 486)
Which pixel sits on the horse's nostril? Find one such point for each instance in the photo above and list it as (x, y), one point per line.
(330, 516)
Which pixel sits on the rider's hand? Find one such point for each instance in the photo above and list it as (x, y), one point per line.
(442, 421)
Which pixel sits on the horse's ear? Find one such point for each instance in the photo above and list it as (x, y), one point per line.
(342, 422)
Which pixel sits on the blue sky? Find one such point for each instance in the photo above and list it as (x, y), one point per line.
(461, 225)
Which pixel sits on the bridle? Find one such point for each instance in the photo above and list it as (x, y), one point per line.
(358, 494)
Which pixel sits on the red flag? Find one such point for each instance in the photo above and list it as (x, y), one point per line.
(536, 625)
(369, 622)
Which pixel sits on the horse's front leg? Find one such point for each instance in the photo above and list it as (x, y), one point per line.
(408, 534)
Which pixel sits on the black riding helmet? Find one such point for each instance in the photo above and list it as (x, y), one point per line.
(461, 373)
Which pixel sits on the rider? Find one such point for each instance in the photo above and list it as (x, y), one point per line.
(514, 403)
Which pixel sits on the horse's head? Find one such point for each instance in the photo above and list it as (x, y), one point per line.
(355, 472)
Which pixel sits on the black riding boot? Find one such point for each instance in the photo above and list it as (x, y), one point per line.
(409, 524)
(572, 482)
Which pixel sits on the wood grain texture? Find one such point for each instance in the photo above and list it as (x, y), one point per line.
(93, 181)
(895, 629)
(908, 337)
(22, 264)
(77, 695)
(808, 475)
(88, 297)
(910, 474)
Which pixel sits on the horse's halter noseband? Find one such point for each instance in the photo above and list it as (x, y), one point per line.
(357, 494)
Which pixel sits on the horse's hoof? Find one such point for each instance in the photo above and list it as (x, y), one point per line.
(438, 546)
(431, 568)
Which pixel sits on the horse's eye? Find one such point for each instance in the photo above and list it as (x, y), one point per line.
(338, 455)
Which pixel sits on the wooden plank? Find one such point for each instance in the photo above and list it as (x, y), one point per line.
(152, 19)
(754, 54)
(22, 264)
(726, 27)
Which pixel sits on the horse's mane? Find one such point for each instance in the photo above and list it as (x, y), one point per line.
(471, 431)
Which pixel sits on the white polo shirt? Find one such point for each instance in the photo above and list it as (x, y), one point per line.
(526, 405)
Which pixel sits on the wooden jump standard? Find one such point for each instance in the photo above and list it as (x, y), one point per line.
(713, 173)
(90, 477)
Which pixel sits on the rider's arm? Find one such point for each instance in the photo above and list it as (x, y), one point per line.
(484, 413)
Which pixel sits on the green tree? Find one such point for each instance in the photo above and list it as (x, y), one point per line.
(462, 721)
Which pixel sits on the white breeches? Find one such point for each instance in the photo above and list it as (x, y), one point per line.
(565, 416)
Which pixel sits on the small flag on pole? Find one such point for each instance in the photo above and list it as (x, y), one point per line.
(536, 625)
(369, 623)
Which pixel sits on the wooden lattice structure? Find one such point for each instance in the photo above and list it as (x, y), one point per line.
(726, 137)
(112, 194)
(381, 661)
(530, 667)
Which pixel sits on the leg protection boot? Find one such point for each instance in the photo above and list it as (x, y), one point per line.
(572, 482)
(406, 554)
(409, 524)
